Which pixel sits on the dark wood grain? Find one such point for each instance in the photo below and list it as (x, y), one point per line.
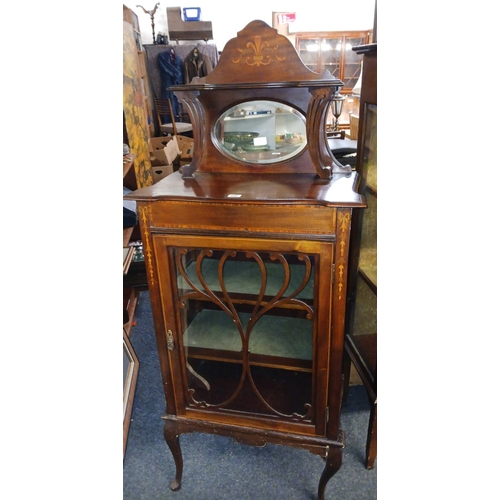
(293, 213)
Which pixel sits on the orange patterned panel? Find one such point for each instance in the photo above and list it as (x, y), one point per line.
(133, 108)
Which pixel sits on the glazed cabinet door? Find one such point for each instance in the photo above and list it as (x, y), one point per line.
(250, 321)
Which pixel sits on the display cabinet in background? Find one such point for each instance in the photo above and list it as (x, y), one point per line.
(247, 251)
(333, 51)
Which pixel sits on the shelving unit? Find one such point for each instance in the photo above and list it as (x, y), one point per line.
(129, 294)
(130, 361)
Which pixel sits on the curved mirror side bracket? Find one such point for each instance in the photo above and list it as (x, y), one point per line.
(324, 162)
(192, 105)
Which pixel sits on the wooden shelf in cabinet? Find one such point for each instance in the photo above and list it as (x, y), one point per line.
(291, 339)
(288, 339)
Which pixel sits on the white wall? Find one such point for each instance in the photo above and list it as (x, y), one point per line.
(230, 17)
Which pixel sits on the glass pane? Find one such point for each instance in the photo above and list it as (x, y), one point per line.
(261, 132)
(309, 52)
(370, 145)
(247, 323)
(365, 313)
(331, 49)
(352, 62)
(350, 107)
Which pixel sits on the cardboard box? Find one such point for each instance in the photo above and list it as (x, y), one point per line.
(163, 151)
(185, 145)
(160, 172)
(168, 153)
(353, 126)
(156, 143)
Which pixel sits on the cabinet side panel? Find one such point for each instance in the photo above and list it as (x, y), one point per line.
(338, 321)
(155, 295)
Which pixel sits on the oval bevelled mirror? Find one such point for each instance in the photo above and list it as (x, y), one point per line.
(260, 132)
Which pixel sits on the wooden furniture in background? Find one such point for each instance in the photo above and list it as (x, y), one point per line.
(129, 295)
(339, 134)
(187, 30)
(130, 361)
(163, 109)
(361, 331)
(129, 182)
(248, 251)
(130, 372)
(332, 51)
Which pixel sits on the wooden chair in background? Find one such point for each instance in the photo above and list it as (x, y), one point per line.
(163, 108)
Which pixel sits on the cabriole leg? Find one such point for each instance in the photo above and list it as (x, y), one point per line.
(333, 463)
(172, 439)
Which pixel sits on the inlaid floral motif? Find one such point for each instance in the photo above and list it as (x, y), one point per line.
(258, 53)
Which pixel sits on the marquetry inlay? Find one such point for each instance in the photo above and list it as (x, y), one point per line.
(344, 221)
(258, 53)
(144, 215)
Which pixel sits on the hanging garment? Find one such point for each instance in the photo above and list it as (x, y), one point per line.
(196, 64)
(172, 73)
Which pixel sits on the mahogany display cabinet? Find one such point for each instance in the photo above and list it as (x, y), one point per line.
(246, 252)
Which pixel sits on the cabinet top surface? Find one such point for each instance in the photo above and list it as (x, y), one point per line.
(275, 189)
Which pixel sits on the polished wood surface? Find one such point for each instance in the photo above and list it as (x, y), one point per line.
(260, 64)
(280, 189)
(278, 378)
